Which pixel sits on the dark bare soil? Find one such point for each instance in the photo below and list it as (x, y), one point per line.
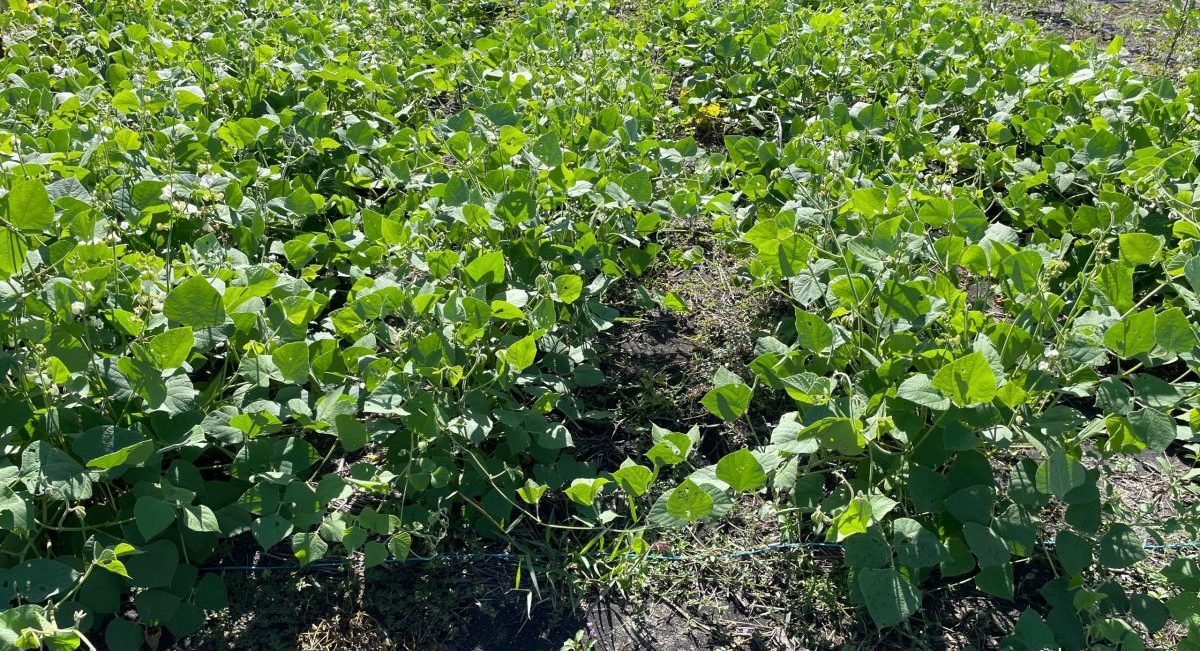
(434, 607)
(1147, 42)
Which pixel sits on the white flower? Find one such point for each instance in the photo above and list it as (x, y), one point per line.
(77, 307)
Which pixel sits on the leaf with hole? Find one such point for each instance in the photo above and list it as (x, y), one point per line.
(742, 471)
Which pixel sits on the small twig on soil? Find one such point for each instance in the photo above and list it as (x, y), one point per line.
(688, 617)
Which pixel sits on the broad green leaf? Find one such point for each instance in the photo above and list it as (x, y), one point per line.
(1191, 272)
(915, 545)
(152, 516)
(16, 511)
(673, 302)
(301, 202)
(487, 268)
(919, 390)
(841, 434)
(1184, 572)
(996, 580)
(124, 634)
(1139, 248)
(132, 455)
(903, 301)
(270, 529)
(968, 380)
(351, 433)
(1132, 335)
(548, 150)
(210, 593)
(1156, 392)
(889, 596)
(638, 186)
(742, 471)
(13, 250)
(1150, 611)
(1115, 281)
(200, 518)
(851, 290)
(868, 201)
(113, 565)
(171, 348)
(972, 504)
(855, 518)
(521, 354)
(812, 332)
(728, 402)
(505, 311)
(568, 288)
(633, 478)
(476, 313)
(352, 537)
(195, 303)
(1074, 552)
(1101, 146)
(670, 451)
(1153, 428)
(308, 547)
(1033, 632)
(189, 96)
(155, 564)
(388, 398)
(39, 579)
(584, 491)
(986, 545)
(1173, 332)
(511, 140)
(1120, 547)
(400, 545)
(126, 101)
(532, 492)
(689, 502)
(441, 263)
(48, 471)
(292, 361)
(374, 553)
(515, 207)
(867, 549)
(636, 260)
(1059, 474)
(1023, 270)
(29, 207)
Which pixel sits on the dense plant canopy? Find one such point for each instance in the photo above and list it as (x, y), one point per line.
(331, 277)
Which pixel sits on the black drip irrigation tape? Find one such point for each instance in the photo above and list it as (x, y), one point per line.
(658, 558)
